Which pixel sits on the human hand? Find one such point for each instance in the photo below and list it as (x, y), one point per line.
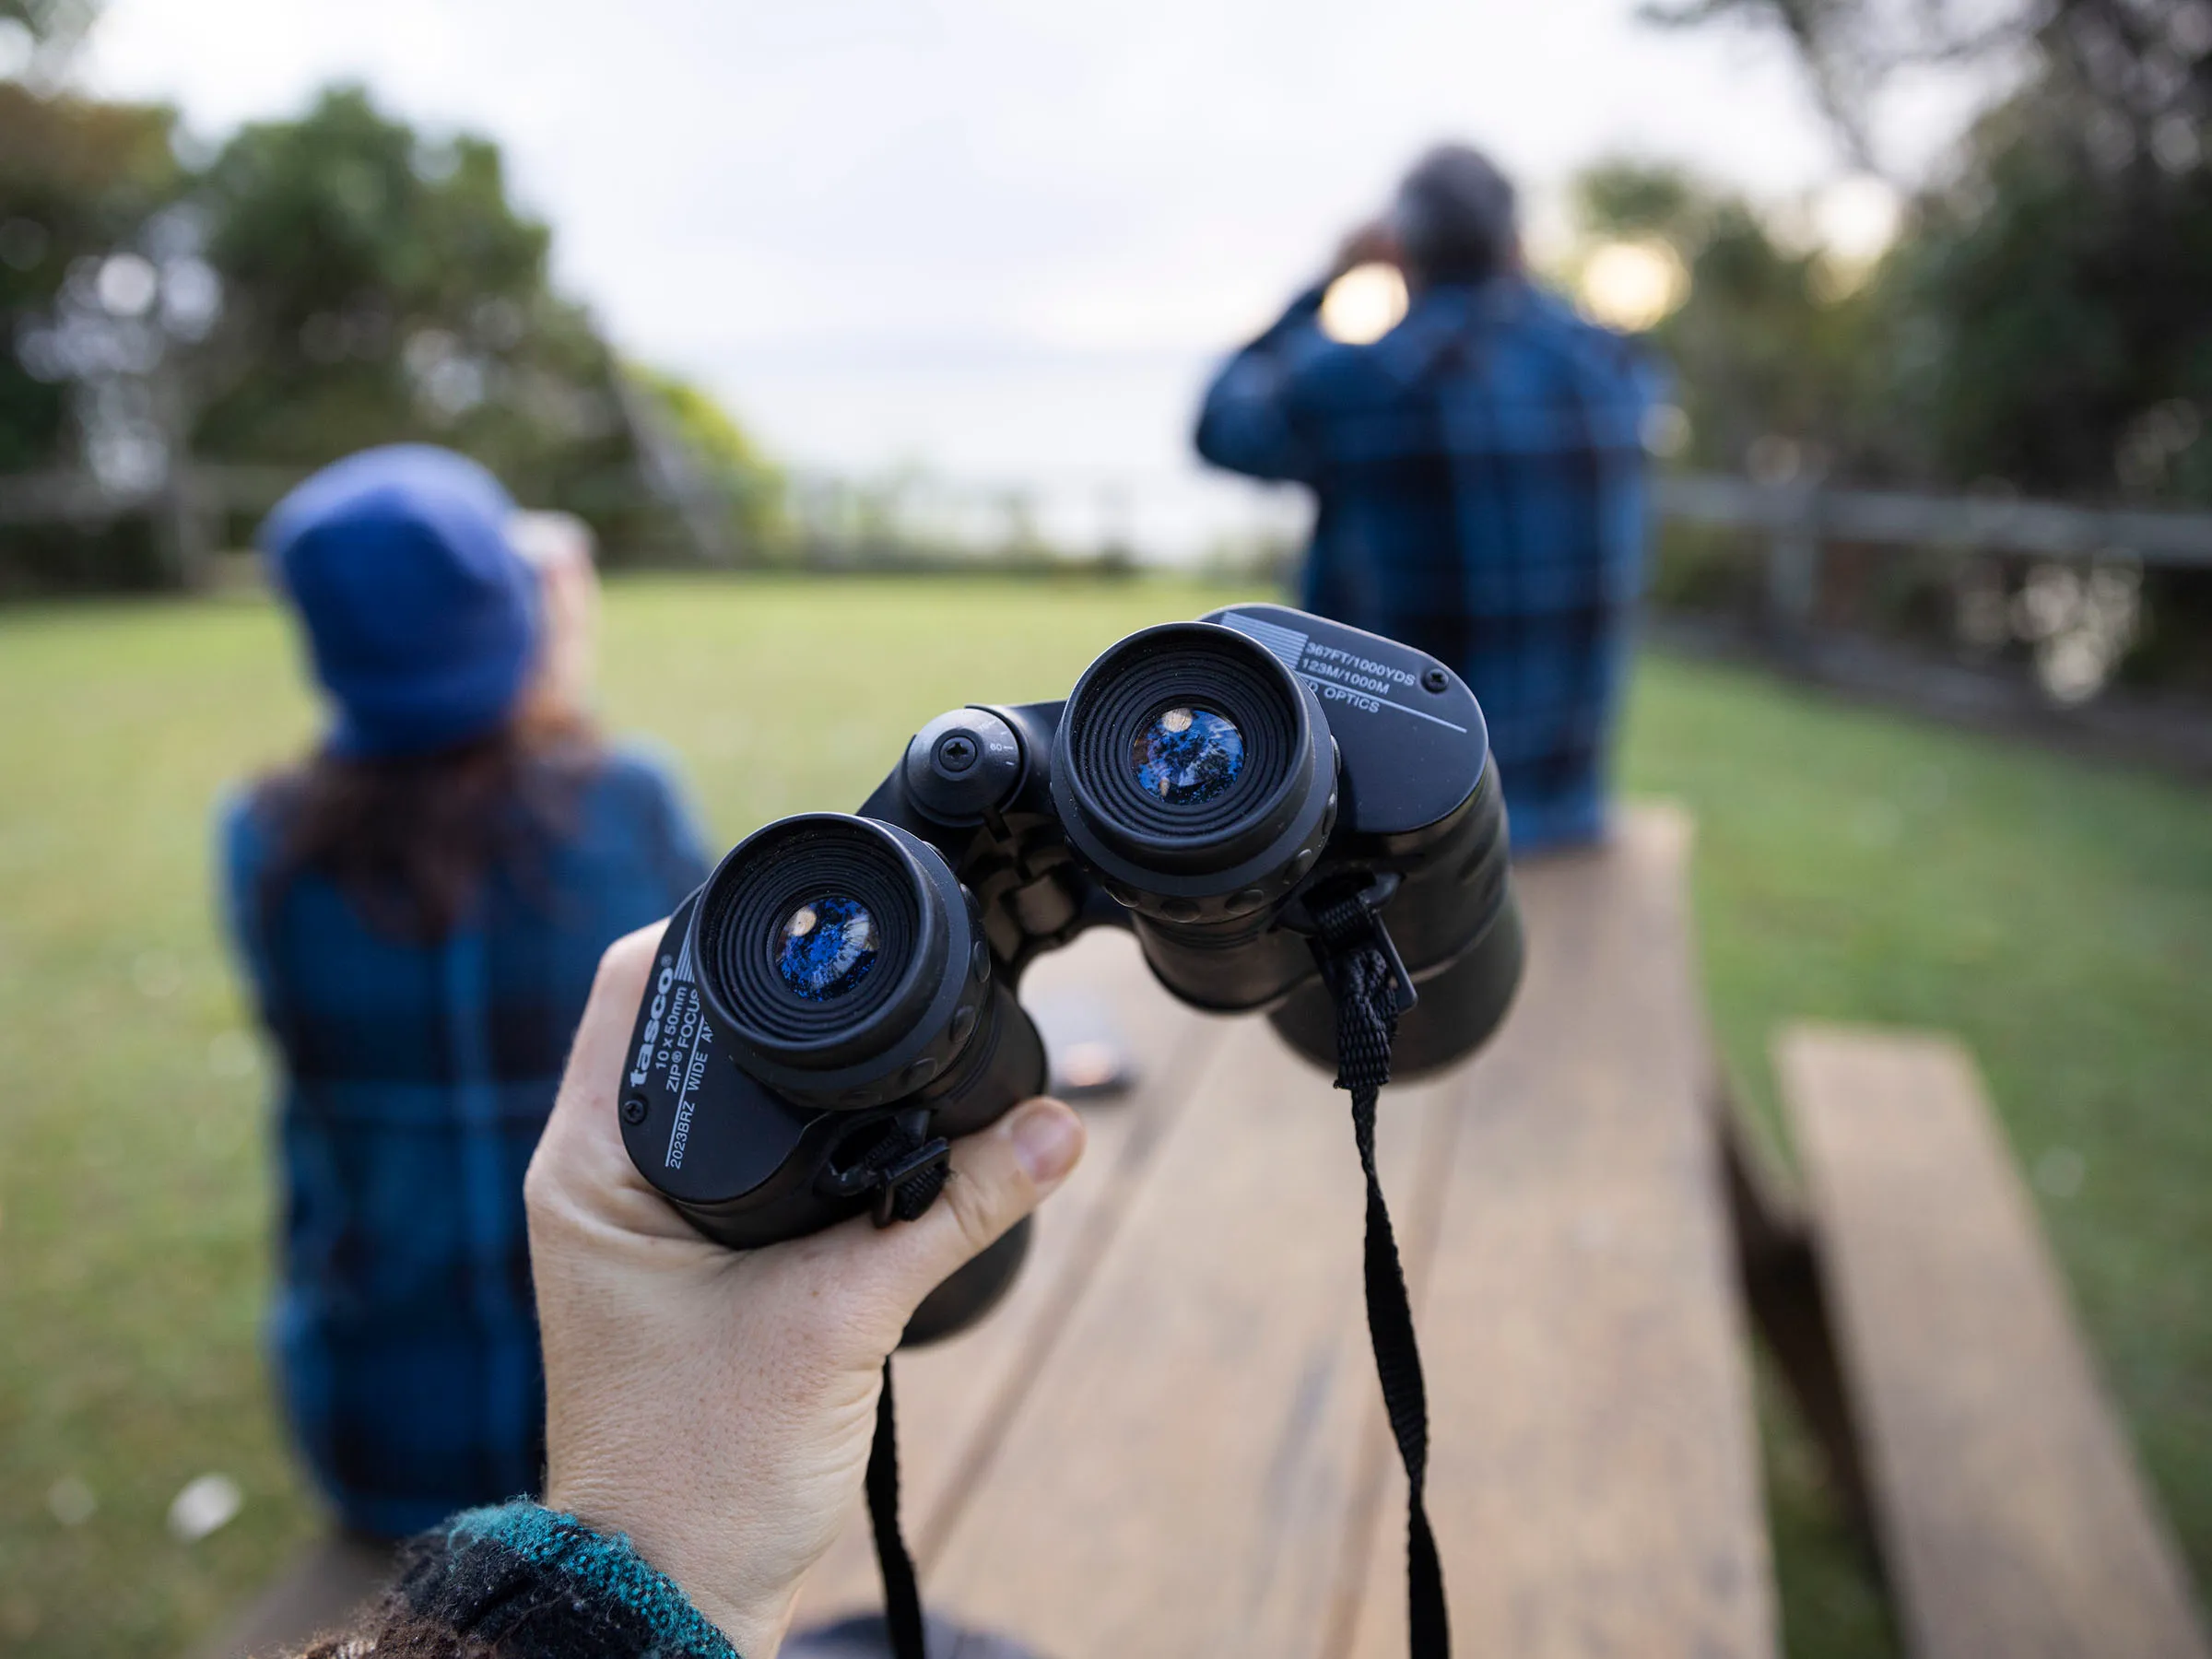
(717, 1405)
(558, 547)
(1373, 242)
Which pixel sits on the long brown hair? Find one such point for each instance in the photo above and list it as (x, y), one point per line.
(410, 840)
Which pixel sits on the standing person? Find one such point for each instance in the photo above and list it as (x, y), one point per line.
(420, 905)
(1480, 479)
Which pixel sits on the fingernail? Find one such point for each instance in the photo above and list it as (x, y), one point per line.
(1046, 1140)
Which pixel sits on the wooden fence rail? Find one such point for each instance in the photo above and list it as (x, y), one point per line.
(187, 509)
(1798, 520)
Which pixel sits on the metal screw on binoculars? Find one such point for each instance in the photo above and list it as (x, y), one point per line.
(1293, 817)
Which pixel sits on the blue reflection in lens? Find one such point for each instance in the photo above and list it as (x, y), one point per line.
(1187, 755)
(828, 946)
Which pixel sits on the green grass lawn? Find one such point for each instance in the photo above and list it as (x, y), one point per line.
(2058, 917)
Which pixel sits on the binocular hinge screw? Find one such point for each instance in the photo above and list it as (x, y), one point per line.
(634, 1110)
(1435, 679)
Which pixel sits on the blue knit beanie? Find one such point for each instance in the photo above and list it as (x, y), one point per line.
(421, 618)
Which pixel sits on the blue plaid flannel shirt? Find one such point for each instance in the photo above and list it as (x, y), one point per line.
(1480, 488)
(415, 1081)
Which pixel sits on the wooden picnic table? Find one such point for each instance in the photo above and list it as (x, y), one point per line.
(1169, 1439)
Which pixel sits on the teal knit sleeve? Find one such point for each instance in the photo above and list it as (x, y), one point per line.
(528, 1582)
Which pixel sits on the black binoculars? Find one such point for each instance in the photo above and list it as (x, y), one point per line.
(836, 1003)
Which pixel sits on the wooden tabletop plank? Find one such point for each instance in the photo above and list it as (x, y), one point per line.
(2012, 1517)
(1593, 1480)
(1181, 1476)
(954, 1397)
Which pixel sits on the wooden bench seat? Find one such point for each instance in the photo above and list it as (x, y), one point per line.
(2012, 1519)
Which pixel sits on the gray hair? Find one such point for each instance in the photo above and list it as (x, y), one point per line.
(1455, 215)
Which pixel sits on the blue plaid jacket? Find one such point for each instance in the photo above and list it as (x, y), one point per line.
(1480, 486)
(416, 1080)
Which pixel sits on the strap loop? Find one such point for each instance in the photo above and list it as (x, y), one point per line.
(905, 1166)
(1351, 921)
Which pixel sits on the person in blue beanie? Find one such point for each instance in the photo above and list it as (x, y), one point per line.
(420, 905)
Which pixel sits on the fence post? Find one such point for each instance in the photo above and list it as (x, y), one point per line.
(180, 528)
(1794, 566)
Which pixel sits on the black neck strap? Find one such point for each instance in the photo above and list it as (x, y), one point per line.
(1370, 988)
(902, 1594)
(1366, 980)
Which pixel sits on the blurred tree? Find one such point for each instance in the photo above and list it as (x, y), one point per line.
(381, 286)
(79, 179)
(1769, 345)
(51, 30)
(1854, 49)
(2049, 312)
(82, 186)
(2043, 321)
(749, 489)
(2044, 315)
(325, 284)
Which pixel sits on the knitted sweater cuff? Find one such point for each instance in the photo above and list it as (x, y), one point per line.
(527, 1582)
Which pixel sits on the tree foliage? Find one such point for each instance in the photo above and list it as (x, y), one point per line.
(2041, 323)
(53, 27)
(1854, 49)
(323, 284)
(78, 181)
(381, 286)
(734, 468)
(1770, 345)
(2050, 309)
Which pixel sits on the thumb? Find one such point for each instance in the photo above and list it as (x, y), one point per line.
(998, 1177)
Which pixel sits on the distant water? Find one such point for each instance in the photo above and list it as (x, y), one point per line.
(1090, 448)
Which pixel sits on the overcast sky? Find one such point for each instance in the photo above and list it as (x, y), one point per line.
(1004, 240)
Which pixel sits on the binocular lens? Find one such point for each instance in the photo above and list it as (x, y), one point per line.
(828, 946)
(1187, 755)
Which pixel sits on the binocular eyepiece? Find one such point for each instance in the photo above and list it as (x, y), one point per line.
(1195, 773)
(836, 1003)
(842, 959)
